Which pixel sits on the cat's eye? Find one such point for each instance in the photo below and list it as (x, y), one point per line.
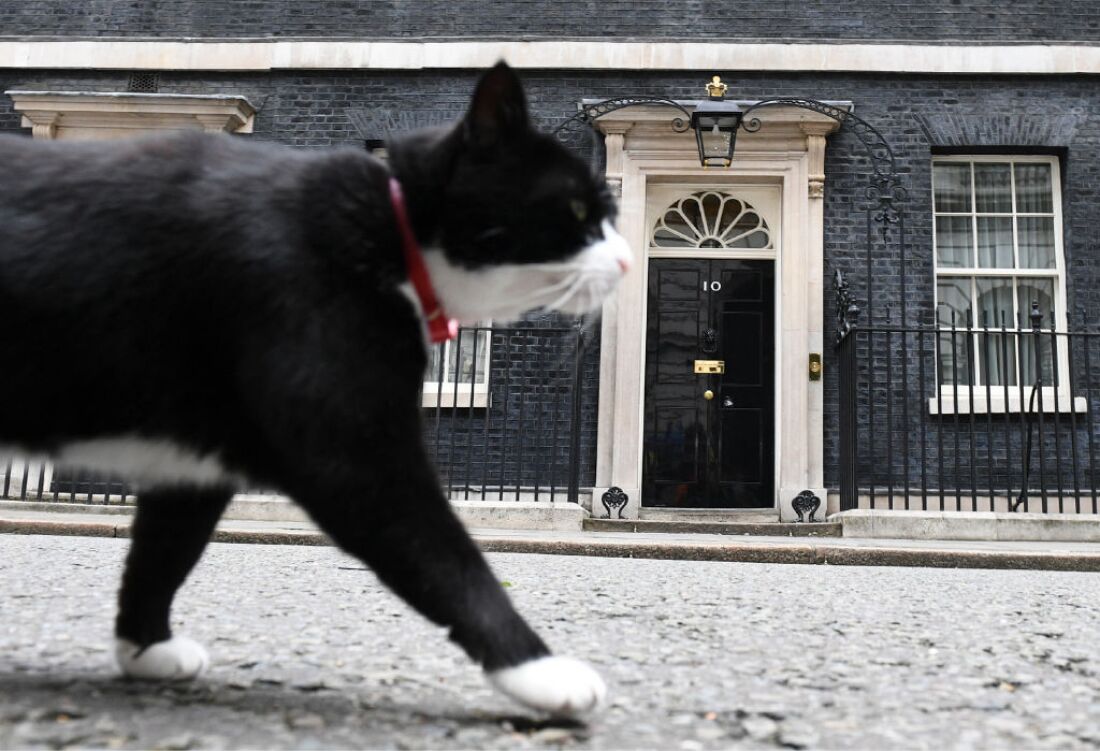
(580, 209)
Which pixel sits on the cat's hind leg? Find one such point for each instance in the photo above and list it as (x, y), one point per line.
(406, 531)
(170, 531)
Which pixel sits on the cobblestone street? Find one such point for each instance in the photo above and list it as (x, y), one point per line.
(309, 651)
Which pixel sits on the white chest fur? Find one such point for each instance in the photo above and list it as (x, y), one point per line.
(146, 460)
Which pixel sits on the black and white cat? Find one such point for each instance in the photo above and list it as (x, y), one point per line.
(206, 312)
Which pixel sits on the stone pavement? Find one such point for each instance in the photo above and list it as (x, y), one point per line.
(1058, 556)
(310, 652)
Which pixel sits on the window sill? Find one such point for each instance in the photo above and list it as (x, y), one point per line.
(448, 399)
(996, 405)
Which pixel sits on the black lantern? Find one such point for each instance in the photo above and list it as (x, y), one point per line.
(715, 122)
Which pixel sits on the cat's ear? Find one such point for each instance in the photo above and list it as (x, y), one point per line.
(498, 109)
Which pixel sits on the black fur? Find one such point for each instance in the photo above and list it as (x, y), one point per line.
(240, 299)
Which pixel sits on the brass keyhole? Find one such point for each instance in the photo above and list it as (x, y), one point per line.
(708, 395)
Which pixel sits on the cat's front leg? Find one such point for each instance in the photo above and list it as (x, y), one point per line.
(170, 531)
(405, 530)
(559, 685)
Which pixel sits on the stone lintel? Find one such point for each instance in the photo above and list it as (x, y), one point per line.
(107, 114)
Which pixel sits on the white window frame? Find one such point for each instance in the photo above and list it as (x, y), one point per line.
(450, 395)
(945, 401)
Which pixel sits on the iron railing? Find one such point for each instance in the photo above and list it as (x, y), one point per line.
(37, 479)
(963, 418)
(509, 426)
(502, 419)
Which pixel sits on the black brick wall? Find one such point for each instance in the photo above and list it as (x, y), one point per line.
(876, 20)
(916, 114)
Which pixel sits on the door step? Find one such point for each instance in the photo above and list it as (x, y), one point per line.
(739, 516)
(771, 529)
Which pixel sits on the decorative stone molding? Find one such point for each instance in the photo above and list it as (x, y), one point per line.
(267, 54)
(97, 114)
(43, 127)
(614, 137)
(815, 151)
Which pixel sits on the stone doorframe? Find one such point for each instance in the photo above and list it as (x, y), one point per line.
(789, 151)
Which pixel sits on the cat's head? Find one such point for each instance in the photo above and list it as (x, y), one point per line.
(516, 220)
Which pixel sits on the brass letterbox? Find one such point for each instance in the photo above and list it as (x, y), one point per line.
(708, 367)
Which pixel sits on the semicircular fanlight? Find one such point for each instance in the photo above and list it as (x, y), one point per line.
(711, 219)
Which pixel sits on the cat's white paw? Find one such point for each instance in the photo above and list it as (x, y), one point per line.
(178, 659)
(559, 685)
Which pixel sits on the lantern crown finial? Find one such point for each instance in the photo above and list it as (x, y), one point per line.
(716, 89)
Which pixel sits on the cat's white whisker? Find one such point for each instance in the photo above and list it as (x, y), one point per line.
(569, 294)
(557, 303)
(535, 296)
(557, 267)
(560, 284)
(533, 299)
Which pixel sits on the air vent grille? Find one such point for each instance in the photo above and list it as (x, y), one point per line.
(144, 83)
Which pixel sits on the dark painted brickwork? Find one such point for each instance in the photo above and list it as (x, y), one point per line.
(697, 19)
(915, 114)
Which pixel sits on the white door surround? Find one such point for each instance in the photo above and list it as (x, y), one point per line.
(788, 154)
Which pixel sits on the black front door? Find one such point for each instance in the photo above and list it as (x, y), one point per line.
(709, 437)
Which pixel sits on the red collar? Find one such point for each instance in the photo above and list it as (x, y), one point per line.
(440, 327)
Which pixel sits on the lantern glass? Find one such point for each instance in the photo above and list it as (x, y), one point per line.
(715, 146)
(715, 125)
